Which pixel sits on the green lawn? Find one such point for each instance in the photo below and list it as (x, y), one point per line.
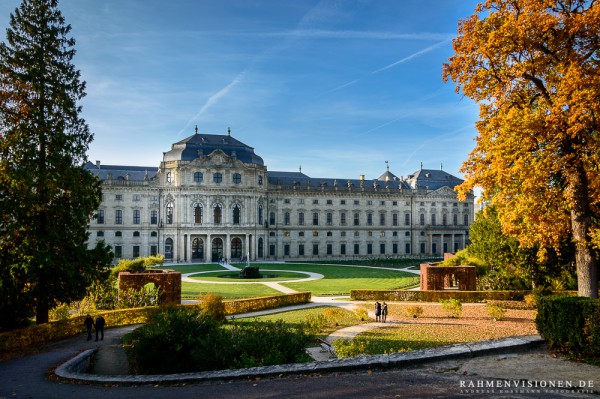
(338, 280)
(328, 318)
(227, 291)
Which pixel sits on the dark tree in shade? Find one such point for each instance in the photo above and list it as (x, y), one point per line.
(46, 197)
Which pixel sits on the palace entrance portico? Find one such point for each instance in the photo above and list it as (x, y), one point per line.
(213, 247)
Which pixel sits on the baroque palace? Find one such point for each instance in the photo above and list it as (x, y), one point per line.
(212, 197)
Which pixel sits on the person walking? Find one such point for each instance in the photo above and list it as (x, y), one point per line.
(88, 323)
(377, 311)
(100, 323)
(384, 311)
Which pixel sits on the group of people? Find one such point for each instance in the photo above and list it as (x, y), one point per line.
(381, 311)
(98, 324)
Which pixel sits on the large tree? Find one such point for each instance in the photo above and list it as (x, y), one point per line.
(534, 68)
(46, 197)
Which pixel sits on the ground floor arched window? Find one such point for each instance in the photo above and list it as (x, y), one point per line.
(198, 248)
(260, 248)
(169, 249)
(236, 248)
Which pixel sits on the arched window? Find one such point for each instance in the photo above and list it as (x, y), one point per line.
(170, 212)
(169, 248)
(422, 219)
(197, 214)
(260, 248)
(197, 248)
(169, 177)
(217, 214)
(236, 248)
(236, 214)
(466, 220)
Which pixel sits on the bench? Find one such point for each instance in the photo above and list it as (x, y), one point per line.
(327, 347)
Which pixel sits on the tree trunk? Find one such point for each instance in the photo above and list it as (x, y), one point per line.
(581, 223)
(41, 313)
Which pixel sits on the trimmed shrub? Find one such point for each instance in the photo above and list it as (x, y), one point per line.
(212, 305)
(570, 324)
(435, 296)
(414, 311)
(452, 307)
(496, 311)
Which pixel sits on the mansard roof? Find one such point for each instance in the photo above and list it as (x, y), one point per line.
(199, 145)
(302, 180)
(119, 172)
(433, 179)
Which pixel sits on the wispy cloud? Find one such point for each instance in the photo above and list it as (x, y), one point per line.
(214, 99)
(412, 56)
(401, 61)
(353, 34)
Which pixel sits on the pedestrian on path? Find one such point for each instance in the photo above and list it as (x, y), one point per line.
(88, 323)
(377, 311)
(384, 311)
(100, 323)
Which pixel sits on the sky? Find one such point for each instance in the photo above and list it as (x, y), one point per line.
(334, 87)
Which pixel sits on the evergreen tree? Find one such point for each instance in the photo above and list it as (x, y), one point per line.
(46, 197)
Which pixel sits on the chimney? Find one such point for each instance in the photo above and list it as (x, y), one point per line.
(362, 177)
(98, 163)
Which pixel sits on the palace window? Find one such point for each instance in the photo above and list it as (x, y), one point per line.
(382, 219)
(369, 219)
(329, 218)
(136, 216)
(153, 217)
(237, 178)
(136, 233)
(198, 213)
(394, 219)
(169, 177)
(407, 219)
(260, 215)
(357, 219)
(217, 177)
(100, 216)
(236, 214)
(343, 218)
(272, 218)
(301, 218)
(169, 212)
(315, 219)
(217, 214)
(286, 218)
(118, 216)
(198, 177)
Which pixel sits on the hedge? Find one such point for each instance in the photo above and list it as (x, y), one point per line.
(436, 296)
(570, 324)
(32, 336)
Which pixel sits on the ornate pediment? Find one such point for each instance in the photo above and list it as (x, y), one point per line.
(445, 191)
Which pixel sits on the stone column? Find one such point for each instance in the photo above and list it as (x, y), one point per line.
(208, 249)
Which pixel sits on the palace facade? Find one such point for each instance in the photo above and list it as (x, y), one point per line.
(212, 197)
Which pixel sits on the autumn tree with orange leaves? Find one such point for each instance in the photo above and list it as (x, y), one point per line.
(533, 66)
